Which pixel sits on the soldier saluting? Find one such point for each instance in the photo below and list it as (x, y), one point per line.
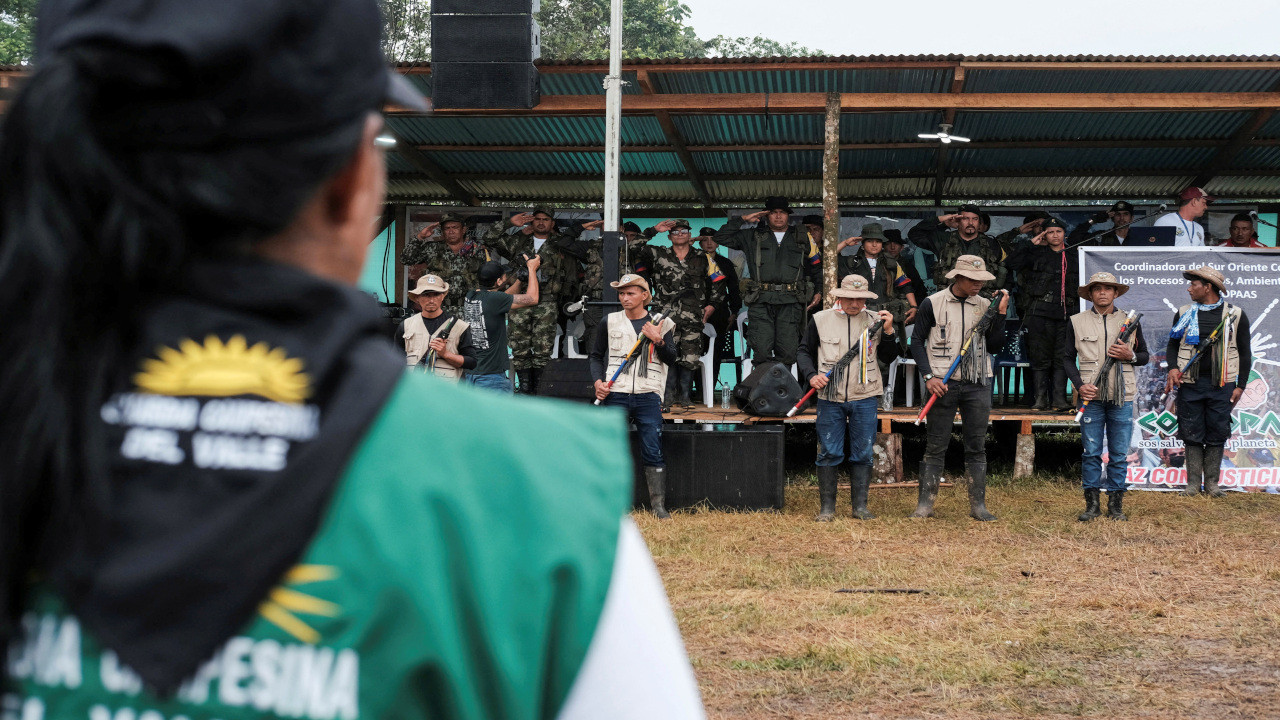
(785, 268)
(451, 256)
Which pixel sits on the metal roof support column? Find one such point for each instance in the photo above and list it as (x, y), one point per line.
(948, 117)
(401, 236)
(613, 121)
(830, 197)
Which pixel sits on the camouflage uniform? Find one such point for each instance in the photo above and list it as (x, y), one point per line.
(593, 277)
(948, 246)
(459, 269)
(786, 271)
(532, 331)
(681, 290)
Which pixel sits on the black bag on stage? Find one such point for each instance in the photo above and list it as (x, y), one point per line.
(769, 390)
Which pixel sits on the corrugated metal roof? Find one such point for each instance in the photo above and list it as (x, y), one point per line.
(1271, 129)
(1258, 158)
(563, 190)
(1097, 125)
(795, 129)
(1134, 186)
(794, 81)
(559, 163)
(522, 130)
(1119, 81)
(809, 162)
(1243, 187)
(1082, 159)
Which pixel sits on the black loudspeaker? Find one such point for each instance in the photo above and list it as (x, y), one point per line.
(484, 7)
(769, 390)
(568, 379)
(738, 469)
(483, 85)
(484, 38)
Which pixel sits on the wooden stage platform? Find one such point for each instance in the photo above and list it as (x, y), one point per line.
(889, 461)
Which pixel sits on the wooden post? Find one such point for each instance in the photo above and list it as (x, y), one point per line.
(830, 198)
(886, 458)
(1024, 456)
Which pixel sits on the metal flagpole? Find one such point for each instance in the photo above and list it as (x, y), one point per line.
(613, 119)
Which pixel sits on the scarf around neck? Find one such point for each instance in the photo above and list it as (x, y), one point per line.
(1187, 329)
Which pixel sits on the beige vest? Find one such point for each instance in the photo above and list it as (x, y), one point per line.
(417, 343)
(953, 320)
(1094, 334)
(1227, 338)
(621, 339)
(837, 333)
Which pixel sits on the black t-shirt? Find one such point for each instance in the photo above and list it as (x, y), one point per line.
(486, 312)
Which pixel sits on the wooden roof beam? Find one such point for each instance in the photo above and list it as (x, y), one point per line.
(817, 147)
(672, 134)
(783, 177)
(1224, 157)
(765, 64)
(815, 103)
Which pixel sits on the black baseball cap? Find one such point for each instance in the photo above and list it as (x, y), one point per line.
(812, 220)
(1122, 206)
(970, 209)
(705, 231)
(246, 70)
(490, 272)
(629, 226)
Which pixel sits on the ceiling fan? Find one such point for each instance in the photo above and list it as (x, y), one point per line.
(943, 134)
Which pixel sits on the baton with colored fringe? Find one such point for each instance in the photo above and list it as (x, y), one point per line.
(843, 362)
(983, 323)
(432, 354)
(1127, 330)
(1195, 357)
(630, 356)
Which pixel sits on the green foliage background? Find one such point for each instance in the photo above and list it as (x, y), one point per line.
(571, 30)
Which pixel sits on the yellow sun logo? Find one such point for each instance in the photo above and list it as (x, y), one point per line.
(216, 369)
(282, 603)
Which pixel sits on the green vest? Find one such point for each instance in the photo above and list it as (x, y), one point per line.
(459, 573)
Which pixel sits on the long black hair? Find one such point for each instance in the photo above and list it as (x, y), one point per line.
(101, 208)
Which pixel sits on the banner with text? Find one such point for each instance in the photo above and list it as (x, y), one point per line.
(1157, 289)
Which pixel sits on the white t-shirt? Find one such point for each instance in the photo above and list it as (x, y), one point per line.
(779, 235)
(1186, 232)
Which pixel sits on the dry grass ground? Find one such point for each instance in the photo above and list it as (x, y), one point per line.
(1173, 614)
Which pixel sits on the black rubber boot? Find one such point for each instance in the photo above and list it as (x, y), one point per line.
(1212, 468)
(1041, 381)
(826, 493)
(930, 475)
(669, 392)
(1092, 506)
(1058, 393)
(656, 479)
(524, 382)
(860, 481)
(978, 492)
(685, 380)
(536, 376)
(1115, 505)
(1195, 469)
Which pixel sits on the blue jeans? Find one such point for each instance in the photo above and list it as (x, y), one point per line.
(645, 410)
(1117, 422)
(855, 421)
(492, 381)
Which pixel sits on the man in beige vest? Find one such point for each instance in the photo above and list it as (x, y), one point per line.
(944, 321)
(638, 388)
(847, 398)
(1210, 387)
(435, 340)
(1092, 337)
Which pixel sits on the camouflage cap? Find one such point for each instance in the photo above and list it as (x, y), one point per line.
(452, 217)
(972, 267)
(1103, 278)
(1209, 275)
(430, 283)
(630, 280)
(854, 286)
(682, 225)
(543, 210)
